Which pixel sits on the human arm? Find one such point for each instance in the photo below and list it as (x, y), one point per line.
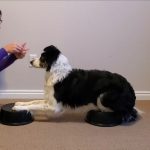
(10, 53)
(3, 53)
(7, 61)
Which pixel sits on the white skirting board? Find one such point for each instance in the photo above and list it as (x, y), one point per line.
(21, 94)
(39, 94)
(142, 95)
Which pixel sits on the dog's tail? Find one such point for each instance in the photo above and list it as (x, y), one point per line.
(130, 116)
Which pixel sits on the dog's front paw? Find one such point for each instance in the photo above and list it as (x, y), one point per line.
(20, 108)
(20, 103)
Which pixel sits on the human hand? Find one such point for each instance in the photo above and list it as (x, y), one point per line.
(13, 48)
(22, 51)
(20, 55)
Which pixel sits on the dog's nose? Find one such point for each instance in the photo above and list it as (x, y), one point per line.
(31, 62)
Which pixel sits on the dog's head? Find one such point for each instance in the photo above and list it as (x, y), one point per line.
(47, 58)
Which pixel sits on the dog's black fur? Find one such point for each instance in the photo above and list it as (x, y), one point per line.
(81, 87)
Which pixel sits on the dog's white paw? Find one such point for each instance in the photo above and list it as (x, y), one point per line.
(19, 108)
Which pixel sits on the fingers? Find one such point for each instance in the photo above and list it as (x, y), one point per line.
(20, 55)
(20, 50)
(23, 45)
(15, 48)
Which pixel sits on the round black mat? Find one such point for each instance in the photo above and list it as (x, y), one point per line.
(14, 118)
(103, 119)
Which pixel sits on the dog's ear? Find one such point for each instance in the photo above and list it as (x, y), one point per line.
(51, 51)
(51, 55)
(50, 48)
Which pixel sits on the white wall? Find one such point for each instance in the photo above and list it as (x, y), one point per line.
(110, 35)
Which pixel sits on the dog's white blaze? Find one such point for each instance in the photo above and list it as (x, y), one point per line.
(59, 70)
(100, 106)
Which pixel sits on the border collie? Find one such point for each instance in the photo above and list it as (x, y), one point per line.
(65, 86)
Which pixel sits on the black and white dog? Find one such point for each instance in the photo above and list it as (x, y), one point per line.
(65, 86)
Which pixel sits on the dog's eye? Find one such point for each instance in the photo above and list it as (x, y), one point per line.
(42, 59)
(42, 62)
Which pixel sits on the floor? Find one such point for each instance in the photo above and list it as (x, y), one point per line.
(71, 132)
